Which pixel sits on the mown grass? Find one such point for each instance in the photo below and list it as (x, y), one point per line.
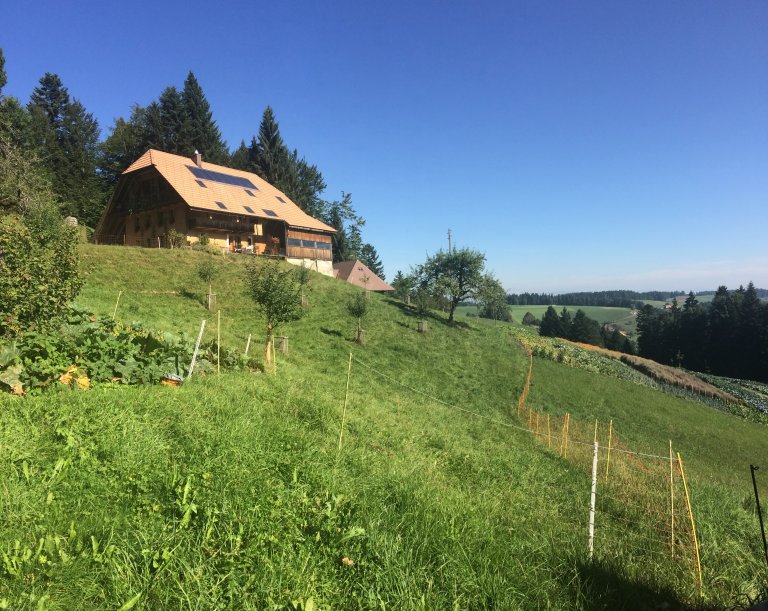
(229, 492)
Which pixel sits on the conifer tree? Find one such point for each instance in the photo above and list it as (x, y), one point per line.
(200, 131)
(3, 77)
(550, 324)
(66, 136)
(370, 258)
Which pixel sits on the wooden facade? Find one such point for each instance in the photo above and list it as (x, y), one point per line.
(145, 207)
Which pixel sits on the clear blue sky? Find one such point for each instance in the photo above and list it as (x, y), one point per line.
(580, 145)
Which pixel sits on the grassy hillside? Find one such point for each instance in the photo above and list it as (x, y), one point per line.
(231, 491)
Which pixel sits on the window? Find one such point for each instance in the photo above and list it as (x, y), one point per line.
(280, 199)
(269, 212)
(250, 193)
(201, 183)
(221, 205)
(249, 209)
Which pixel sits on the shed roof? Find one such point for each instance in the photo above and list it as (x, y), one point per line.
(359, 274)
(201, 187)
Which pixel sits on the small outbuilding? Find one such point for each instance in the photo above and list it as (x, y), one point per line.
(357, 273)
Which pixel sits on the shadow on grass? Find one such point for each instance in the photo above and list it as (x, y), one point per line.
(333, 332)
(409, 310)
(187, 294)
(600, 586)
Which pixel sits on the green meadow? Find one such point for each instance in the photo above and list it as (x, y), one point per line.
(399, 477)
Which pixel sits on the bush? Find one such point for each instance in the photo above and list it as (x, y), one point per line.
(175, 239)
(38, 271)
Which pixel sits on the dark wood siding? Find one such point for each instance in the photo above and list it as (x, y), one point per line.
(309, 245)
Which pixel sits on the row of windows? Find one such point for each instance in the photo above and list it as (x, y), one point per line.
(309, 244)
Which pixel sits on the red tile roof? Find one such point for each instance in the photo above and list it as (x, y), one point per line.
(176, 170)
(355, 272)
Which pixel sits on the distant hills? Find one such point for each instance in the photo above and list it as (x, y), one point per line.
(616, 299)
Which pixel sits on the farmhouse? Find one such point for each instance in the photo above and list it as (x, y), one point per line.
(232, 209)
(359, 274)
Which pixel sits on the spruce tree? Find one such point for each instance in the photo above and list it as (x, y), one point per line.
(200, 131)
(370, 258)
(66, 137)
(3, 76)
(550, 324)
(172, 121)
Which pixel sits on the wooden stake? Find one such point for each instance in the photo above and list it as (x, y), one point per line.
(693, 524)
(608, 461)
(567, 426)
(537, 424)
(218, 342)
(672, 497)
(248, 344)
(344, 409)
(595, 429)
(114, 312)
(549, 434)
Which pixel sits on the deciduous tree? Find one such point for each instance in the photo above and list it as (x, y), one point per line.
(277, 295)
(454, 276)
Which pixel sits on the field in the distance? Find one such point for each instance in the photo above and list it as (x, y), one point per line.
(621, 317)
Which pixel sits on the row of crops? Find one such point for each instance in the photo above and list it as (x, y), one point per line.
(750, 398)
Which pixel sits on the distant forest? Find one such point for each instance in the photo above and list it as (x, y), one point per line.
(612, 299)
(727, 337)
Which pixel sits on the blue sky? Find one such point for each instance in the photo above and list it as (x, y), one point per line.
(579, 145)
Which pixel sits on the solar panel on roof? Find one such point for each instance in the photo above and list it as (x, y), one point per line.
(221, 205)
(249, 209)
(269, 212)
(280, 199)
(227, 179)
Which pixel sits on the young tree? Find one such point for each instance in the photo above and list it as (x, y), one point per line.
(530, 320)
(358, 308)
(403, 286)
(455, 276)
(277, 296)
(207, 272)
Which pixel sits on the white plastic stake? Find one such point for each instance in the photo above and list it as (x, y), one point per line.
(197, 347)
(592, 504)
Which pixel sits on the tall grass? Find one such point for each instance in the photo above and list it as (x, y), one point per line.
(227, 492)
